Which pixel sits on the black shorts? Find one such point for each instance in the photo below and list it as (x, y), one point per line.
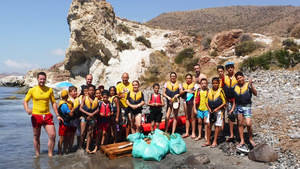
(135, 111)
(156, 115)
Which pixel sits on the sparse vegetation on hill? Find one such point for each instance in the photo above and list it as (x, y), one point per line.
(278, 58)
(123, 28)
(276, 20)
(159, 68)
(123, 46)
(186, 59)
(143, 40)
(246, 47)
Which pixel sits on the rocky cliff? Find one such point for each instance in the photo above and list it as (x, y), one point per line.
(106, 46)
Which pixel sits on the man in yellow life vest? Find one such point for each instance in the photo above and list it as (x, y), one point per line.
(123, 89)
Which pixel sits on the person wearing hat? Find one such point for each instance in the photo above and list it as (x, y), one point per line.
(229, 81)
(65, 129)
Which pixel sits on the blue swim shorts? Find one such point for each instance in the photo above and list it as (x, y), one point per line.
(202, 114)
(245, 110)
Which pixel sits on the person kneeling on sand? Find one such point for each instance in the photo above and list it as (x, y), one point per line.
(243, 93)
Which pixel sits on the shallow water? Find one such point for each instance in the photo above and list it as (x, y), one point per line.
(16, 145)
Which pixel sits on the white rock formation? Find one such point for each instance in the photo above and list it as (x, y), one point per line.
(93, 44)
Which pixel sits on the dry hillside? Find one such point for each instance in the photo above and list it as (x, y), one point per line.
(270, 20)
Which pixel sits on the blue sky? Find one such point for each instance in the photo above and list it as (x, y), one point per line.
(35, 34)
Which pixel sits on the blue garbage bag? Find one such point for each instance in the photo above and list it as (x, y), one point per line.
(161, 141)
(135, 136)
(177, 144)
(153, 153)
(138, 148)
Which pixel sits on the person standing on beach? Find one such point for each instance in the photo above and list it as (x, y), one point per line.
(229, 82)
(187, 94)
(196, 79)
(123, 89)
(89, 81)
(171, 92)
(40, 113)
(198, 75)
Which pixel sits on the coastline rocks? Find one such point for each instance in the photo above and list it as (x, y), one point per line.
(12, 81)
(263, 153)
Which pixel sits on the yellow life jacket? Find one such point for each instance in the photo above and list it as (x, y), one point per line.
(90, 106)
(172, 89)
(243, 94)
(135, 98)
(228, 87)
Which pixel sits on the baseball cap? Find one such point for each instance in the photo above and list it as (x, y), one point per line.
(229, 64)
(63, 93)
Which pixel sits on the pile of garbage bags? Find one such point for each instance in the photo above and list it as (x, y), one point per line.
(161, 144)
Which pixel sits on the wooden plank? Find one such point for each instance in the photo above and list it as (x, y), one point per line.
(112, 157)
(115, 148)
(112, 151)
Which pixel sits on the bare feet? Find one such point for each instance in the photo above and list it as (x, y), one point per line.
(50, 155)
(206, 144)
(213, 145)
(88, 151)
(95, 150)
(185, 135)
(198, 138)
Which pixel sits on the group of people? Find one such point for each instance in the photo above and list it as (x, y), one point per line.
(94, 114)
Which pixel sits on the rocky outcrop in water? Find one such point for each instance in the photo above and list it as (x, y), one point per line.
(12, 81)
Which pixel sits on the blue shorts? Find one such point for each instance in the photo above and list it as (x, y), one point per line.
(244, 110)
(202, 114)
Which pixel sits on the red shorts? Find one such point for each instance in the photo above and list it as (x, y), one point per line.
(103, 126)
(38, 120)
(64, 130)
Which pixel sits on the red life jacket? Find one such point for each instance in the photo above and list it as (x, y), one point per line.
(105, 109)
(155, 99)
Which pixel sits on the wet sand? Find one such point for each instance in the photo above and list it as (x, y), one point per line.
(218, 160)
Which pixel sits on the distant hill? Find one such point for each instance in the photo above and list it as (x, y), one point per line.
(10, 74)
(270, 20)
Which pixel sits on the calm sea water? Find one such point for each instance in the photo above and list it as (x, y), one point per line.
(16, 145)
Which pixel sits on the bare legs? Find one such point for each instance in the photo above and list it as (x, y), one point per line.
(241, 122)
(136, 123)
(36, 140)
(50, 129)
(189, 115)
